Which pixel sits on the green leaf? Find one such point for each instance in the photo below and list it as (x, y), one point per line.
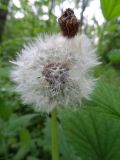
(5, 111)
(15, 124)
(106, 99)
(25, 137)
(21, 153)
(94, 130)
(110, 9)
(114, 56)
(93, 136)
(32, 158)
(4, 72)
(25, 144)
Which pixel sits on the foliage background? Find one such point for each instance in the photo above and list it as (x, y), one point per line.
(93, 133)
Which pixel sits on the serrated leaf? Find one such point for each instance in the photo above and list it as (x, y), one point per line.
(106, 99)
(93, 136)
(110, 9)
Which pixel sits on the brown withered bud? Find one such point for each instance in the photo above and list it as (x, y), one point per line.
(69, 24)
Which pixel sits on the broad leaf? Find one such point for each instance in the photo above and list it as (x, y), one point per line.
(93, 136)
(94, 130)
(110, 8)
(106, 100)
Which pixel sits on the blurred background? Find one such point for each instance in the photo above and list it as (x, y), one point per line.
(24, 134)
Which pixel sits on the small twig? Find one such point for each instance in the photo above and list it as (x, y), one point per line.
(84, 5)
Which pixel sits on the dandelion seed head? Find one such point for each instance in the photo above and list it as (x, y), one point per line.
(54, 71)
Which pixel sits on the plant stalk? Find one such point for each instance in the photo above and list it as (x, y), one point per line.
(54, 135)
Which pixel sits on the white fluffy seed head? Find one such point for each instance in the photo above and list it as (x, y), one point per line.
(53, 71)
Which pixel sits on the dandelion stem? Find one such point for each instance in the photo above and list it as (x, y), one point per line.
(54, 135)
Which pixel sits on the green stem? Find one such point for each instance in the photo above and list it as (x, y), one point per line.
(54, 135)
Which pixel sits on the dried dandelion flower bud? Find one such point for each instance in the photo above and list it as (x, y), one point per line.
(69, 24)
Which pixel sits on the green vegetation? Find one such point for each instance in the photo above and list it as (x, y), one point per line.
(91, 133)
